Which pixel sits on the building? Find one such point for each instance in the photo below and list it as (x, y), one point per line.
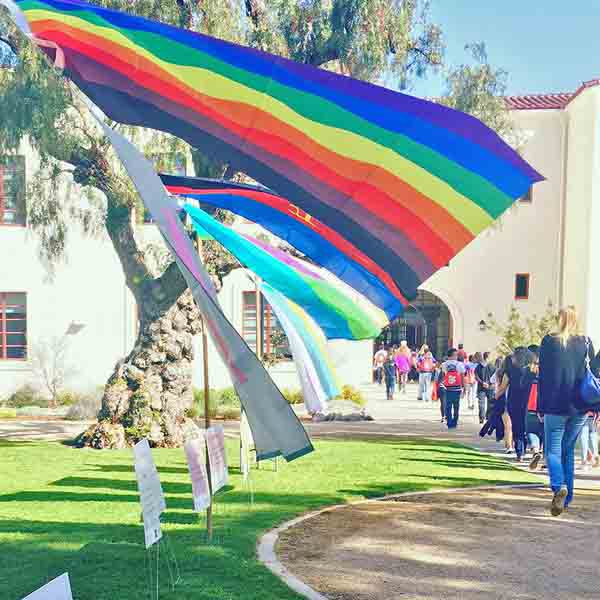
(541, 251)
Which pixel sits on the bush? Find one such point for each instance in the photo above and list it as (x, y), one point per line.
(85, 407)
(26, 396)
(228, 397)
(229, 412)
(68, 398)
(293, 396)
(353, 395)
(213, 400)
(8, 413)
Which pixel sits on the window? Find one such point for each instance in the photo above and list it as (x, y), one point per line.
(12, 191)
(13, 326)
(273, 337)
(528, 196)
(522, 286)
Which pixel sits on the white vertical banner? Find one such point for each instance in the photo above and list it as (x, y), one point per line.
(246, 445)
(152, 497)
(196, 460)
(57, 589)
(217, 458)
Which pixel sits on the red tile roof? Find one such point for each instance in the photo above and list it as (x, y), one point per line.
(547, 101)
(538, 101)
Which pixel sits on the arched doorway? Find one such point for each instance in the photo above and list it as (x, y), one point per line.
(427, 320)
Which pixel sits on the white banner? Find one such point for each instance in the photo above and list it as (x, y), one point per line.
(196, 460)
(57, 589)
(152, 497)
(217, 458)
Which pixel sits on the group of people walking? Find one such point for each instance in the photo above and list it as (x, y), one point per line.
(532, 399)
(447, 381)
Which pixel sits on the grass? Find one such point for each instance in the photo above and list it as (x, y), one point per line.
(64, 509)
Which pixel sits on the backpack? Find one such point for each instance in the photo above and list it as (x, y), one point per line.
(533, 398)
(470, 376)
(426, 365)
(452, 378)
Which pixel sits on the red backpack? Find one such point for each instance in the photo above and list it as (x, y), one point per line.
(470, 376)
(453, 379)
(426, 365)
(533, 398)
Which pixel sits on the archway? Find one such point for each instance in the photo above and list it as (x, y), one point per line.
(427, 320)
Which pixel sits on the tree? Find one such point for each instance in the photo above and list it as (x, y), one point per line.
(516, 332)
(51, 366)
(150, 388)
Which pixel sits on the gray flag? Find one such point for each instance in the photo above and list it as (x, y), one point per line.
(275, 427)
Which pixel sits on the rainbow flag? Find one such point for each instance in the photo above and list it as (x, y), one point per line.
(289, 222)
(408, 182)
(334, 310)
(309, 349)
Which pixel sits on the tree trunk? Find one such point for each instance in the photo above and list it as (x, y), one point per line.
(149, 392)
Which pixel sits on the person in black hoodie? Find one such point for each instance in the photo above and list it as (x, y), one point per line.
(562, 368)
(519, 378)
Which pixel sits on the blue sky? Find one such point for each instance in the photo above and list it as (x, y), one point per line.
(545, 45)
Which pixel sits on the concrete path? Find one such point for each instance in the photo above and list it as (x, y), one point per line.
(31, 430)
(499, 544)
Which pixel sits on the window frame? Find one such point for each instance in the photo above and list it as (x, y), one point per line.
(527, 278)
(265, 326)
(4, 332)
(4, 210)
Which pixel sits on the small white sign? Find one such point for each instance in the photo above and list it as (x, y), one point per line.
(215, 442)
(152, 497)
(194, 452)
(246, 445)
(57, 589)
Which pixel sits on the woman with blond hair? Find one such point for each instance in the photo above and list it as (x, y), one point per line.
(562, 369)
(403, 364)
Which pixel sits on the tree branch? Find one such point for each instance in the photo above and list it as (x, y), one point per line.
(10, 43)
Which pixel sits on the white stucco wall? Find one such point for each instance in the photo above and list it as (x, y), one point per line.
(481, 279)
(582, 224)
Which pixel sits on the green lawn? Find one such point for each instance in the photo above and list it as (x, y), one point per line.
(64, 509)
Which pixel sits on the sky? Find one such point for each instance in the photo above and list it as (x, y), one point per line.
(545, 45)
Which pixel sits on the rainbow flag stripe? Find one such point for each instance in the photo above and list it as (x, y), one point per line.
(338, 314)
(289, 222)
(407, 181)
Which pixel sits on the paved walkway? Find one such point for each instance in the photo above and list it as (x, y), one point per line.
(464, 545)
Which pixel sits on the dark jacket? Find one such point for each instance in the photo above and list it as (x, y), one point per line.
(561, 371)
(389, 371)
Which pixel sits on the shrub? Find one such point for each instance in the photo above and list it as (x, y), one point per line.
(293, 396)
(8, 413)
(193, 412)
(228, 397)
(68, 398)
(229, 412)
(85, 407)
(213, 400)
(353, 395)
(26, 396)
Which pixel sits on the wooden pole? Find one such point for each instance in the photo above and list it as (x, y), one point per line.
(209, 519)
(209, 511)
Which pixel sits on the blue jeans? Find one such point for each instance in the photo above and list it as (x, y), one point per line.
(533, 439)
(560, 436)
(452, 407)
(589, 437)
(425, 386)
